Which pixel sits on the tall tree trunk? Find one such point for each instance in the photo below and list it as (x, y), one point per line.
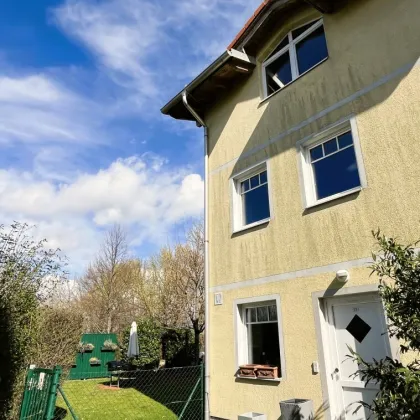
(196, 342)
(109, 323)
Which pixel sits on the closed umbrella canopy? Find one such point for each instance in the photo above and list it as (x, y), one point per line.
(133, 345)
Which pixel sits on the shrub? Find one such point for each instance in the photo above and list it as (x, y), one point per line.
(398, 268)
(178, 347)
(149, 337)
(28, 273)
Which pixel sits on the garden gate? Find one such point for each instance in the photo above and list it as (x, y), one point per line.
(40, 394)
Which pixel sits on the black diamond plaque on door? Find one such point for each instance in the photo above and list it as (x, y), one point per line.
(358, 328)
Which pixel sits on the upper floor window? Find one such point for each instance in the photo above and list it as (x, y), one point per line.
(251, 205)
(302, 49)
(332, 164)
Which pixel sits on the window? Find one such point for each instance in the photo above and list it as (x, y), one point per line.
(263, 335)
(301, 50)
(332, 164)
(258, 332)
(251, 204)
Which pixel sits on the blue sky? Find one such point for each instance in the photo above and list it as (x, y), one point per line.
(83, 142)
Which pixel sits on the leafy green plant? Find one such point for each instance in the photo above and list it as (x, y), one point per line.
(398, 269)
(110, 345)
(29, 272)
(83, 347)
(149, 337)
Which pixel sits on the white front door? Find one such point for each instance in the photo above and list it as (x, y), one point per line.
(357, 322)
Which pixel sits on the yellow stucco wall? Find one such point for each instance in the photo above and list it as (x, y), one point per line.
(373, 48)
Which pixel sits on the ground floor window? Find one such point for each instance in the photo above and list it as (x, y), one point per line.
(259, 336)
(263, 335)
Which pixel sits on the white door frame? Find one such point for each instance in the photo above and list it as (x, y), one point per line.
(322, 335)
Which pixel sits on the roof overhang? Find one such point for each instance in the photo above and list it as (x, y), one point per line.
(231, 67)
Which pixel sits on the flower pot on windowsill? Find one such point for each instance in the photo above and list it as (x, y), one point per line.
(247, 371)
(267, 372)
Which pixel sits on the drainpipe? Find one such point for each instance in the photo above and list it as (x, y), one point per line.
(201, 123)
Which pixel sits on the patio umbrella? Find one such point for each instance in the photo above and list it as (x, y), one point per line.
(133, 345)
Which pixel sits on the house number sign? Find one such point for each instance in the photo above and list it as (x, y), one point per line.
(218, 298)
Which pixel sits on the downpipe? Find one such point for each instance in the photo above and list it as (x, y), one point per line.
(200, 122)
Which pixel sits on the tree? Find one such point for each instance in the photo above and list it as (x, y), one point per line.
(107, 289)
(398, 268)
(28, 273)
(172, 290)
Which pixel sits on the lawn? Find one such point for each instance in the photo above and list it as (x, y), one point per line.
(92, 400)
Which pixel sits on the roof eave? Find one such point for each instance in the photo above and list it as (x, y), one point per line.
(230, 58)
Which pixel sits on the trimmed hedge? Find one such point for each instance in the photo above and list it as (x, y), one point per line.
(175, 346)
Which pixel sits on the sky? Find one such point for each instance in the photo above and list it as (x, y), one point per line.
(83, 142)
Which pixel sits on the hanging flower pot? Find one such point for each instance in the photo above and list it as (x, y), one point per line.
(94, 361)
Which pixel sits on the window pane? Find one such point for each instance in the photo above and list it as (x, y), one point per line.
(336, 173)
(263, 177)
(311, 50)
(265, 344)
(248, 315)
(301, 30)
(279, 47)
(262, 314)
(316, 153)
(278, 73)
(255, 181)
(272, 313)
(253, 313)
(330, 146)
(245, 186)
(256, 205)
(345, 139)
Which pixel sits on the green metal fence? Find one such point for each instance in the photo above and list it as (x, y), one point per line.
(40, 394)
(170, 394)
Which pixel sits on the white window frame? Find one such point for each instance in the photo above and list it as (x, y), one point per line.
(237, 210)
(308, 186)
(242, 341)
(291, 47)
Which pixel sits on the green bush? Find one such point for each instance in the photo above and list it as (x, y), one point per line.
(398, 268)
(28, 273)
(178, 347)
(149, 335)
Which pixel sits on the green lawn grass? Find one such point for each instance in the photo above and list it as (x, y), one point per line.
(90, 401)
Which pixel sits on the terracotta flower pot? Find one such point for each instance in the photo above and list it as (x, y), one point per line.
(267, 372)
(248, 371)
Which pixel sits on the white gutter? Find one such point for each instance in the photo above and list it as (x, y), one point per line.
(201, 123)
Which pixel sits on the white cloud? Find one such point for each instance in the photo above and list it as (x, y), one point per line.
(144, 51)
(136, 192)
(150, 46)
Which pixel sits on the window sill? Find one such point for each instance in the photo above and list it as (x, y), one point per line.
(251, 225)
(334, 197)
(293, 81)
(243, 378)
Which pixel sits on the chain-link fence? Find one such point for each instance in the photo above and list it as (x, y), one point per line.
(176, 393)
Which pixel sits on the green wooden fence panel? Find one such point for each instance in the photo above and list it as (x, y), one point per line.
(83, 368)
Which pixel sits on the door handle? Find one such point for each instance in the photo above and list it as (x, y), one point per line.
(336, 371)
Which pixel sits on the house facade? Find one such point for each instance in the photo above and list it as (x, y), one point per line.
(312, 122)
